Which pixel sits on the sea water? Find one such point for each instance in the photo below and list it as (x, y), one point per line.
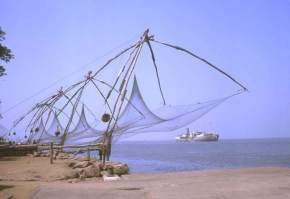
(166, 156)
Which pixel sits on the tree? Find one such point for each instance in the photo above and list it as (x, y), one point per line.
(5, 53)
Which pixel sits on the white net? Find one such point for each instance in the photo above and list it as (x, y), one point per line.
(3, 131)
(83, 132)
(136, 118)
(133, 118)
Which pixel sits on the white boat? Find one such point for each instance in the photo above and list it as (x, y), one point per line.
(197, 136)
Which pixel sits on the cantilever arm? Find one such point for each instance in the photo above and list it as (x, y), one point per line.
(201, 59)
(156, 69)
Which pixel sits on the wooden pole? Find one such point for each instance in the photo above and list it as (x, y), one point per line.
(104, 155)
(51, 153)
(100, 154)
(89, 154)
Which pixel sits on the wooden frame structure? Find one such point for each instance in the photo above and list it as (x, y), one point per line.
(73, 93)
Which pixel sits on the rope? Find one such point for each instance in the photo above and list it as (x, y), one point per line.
(201, 59)
(64, 77)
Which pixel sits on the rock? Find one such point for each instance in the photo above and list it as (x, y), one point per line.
(116, 168)
(109, 169)
(71, 174)
(111, 178)
(84, 159)
(71, 163)
(120, 169)
(106, 173)
(93, 159)
(82, 164)
(81, 173)
(98, 164)
(92, 171)
(76, 180)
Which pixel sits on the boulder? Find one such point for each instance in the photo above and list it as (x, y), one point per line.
(81, 172)
(71, 163)
(98, 164)
(92, 171)
(71, 174)
(82, 164)
(106, 173)
(120, 169)
(84, 159)
(116, 168)
(109, 169)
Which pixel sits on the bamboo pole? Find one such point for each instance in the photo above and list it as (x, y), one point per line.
(156, 68)
(72, 114)
(203, 60)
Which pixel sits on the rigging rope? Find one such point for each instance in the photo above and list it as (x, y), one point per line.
(65, 77)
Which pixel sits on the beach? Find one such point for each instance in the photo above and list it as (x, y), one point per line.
(33, 177)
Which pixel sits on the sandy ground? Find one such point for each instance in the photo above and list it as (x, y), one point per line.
(22, 178)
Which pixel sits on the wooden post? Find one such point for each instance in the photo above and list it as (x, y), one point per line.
(89, 153)
(56, 153)
(100, 154)
(104, 153)
(51, 153)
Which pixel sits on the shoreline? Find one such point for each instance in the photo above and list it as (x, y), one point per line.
(29, 177)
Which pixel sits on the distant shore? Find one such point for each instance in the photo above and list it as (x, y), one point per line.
(28, 177)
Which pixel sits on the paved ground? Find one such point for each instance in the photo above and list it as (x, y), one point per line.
(258, 183)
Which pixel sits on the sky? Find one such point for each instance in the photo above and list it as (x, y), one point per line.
(56, 42)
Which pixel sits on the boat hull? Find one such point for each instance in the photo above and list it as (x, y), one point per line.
(206, 138)
(199, 137)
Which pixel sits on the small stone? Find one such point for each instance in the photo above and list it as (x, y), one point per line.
(111, 178)
(76, 180)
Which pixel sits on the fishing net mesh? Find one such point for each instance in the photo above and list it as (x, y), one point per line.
(135, 118)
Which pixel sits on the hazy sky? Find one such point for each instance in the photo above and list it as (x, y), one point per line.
(248, 38)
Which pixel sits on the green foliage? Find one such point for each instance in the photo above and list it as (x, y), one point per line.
(5, 53)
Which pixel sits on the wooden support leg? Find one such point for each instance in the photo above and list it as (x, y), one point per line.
(89, 153)
(104, 155)
(100, 154)
(51, 153)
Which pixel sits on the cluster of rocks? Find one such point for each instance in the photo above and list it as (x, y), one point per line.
(90, 167)
(81, 168)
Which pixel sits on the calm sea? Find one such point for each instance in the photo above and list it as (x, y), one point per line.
(152, 157)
